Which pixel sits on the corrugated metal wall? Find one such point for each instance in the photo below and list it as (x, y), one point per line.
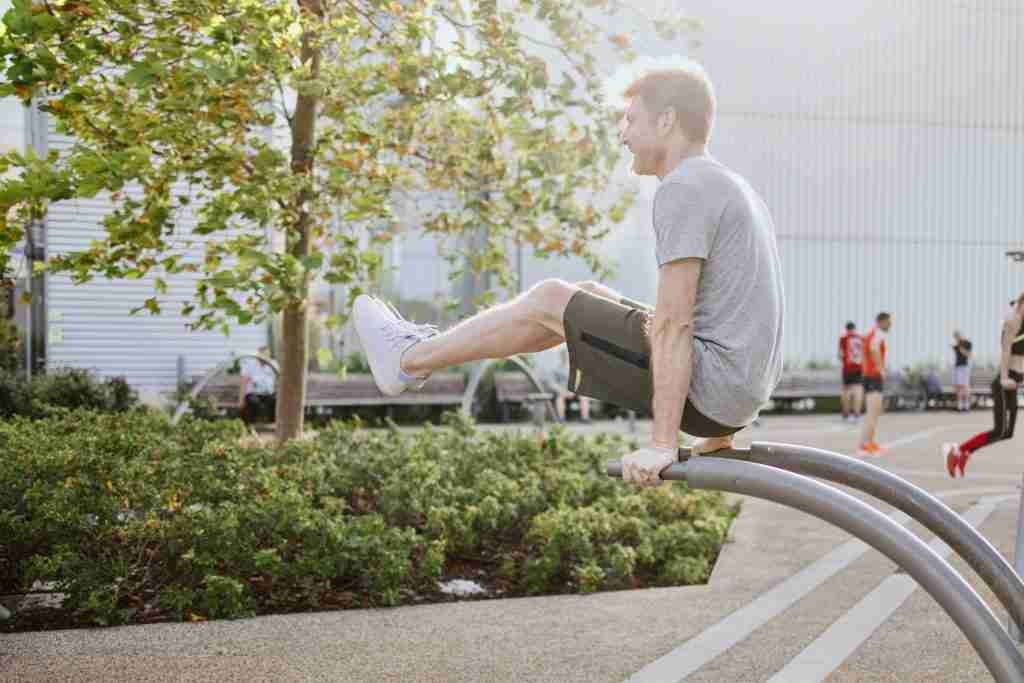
(888, 140)
(90, 325)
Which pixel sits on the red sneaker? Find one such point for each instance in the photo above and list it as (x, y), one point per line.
(951, 454)
(962, 462)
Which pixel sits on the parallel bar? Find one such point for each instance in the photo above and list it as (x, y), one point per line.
(817, 661)
(923, 507)
(1014, 627)
(933, 573)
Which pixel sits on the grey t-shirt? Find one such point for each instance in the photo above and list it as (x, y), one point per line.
(704, 210)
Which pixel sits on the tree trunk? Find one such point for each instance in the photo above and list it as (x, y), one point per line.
(291, 394)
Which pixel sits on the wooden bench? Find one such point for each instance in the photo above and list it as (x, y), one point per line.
(515, 388)
(800, 385)
(325, 390)
(900, 393)
(981, 388)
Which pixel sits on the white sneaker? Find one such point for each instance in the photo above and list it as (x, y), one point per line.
(385, 336)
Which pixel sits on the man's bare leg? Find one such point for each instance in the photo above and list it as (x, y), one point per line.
(584, 407)
(874, 405)
(560, 405)
(529, 323)
(845, 399)
(858, 399)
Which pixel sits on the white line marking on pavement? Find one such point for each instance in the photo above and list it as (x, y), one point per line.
(917, 436)
(719, 637)
(941, 472)
(842, 638)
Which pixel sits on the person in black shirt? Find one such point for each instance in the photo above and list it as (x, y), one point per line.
(1004, 393)
(962, 371)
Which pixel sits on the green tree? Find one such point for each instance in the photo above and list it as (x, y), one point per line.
(175, 106)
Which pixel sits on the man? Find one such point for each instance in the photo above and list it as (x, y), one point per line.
(962, 371)
(851, 356)
(257, 399)
(874, 382)
(705, 359)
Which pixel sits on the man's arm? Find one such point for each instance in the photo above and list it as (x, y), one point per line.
(672, 346)
(875, 349)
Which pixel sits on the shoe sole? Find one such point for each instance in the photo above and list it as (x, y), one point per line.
(951, 461)
(375, 371)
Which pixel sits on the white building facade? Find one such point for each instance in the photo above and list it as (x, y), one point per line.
(887, 138)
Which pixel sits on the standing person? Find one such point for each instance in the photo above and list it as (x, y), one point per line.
(257, 399)
(962, 371)
(708, 356)
(851, 356)
(874, 382)
(1004, 393)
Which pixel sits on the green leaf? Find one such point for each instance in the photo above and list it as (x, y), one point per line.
(140, 74)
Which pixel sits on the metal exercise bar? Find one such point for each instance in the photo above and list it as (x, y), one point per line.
(922, 507)
(931, 572)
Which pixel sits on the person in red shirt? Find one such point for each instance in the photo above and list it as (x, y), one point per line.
(875, 349)
(851, 356)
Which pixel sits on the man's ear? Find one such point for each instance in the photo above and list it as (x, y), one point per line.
(666, 121)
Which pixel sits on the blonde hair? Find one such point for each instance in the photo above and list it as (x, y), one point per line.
(687, 90)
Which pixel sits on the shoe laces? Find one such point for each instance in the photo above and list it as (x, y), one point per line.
(414, 330)
(400, 332)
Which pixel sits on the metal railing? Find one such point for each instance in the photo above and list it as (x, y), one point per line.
(764, 472)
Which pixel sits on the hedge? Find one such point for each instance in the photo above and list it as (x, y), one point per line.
(137, 520)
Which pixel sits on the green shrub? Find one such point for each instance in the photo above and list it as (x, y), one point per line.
(66, 388)
(135, 519)
(11, 347)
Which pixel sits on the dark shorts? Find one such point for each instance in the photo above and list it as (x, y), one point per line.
(610, 359)
(852, 377)
(259, 408)
(872, 384)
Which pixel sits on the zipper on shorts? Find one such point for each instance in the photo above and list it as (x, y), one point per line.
(640, 360)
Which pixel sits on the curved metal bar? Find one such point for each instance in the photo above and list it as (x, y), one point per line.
(478, 375)
(931, 572)
(922, 507)
(201, 384)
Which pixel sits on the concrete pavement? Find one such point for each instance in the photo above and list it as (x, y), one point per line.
(783, 589)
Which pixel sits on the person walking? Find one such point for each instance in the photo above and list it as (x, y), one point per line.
(1004, 393)
(875, 350)
(851, 358)
(962, 371)
(704, 360)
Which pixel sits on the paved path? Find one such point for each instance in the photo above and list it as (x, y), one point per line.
(791, 599)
